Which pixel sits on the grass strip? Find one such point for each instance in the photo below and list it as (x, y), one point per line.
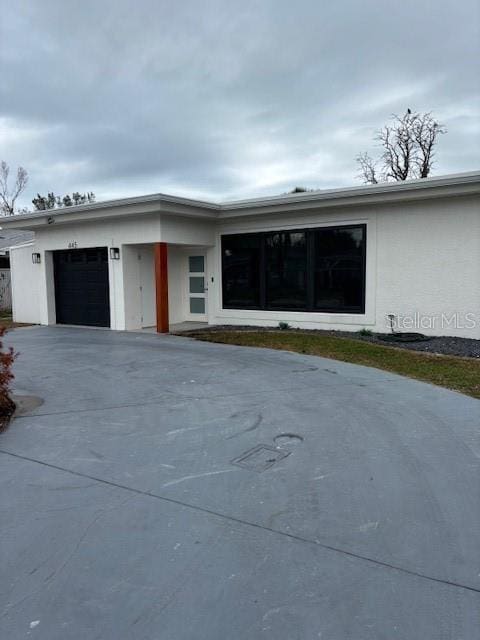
(459, 374)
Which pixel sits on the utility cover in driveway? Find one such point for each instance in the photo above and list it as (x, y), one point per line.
(81, 287)
(260, 458)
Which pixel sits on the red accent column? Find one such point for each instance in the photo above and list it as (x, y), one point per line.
(161, 286)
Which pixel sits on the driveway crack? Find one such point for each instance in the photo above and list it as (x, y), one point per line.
(247, 523)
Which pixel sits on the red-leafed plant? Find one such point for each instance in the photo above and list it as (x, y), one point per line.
(7, 358)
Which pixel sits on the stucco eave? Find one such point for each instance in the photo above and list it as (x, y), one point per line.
(428, 188)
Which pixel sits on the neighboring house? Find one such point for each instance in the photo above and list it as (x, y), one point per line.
(334, 259)
(8, 239)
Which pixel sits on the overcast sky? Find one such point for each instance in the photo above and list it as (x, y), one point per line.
(225, 99)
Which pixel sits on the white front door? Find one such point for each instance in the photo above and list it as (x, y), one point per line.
(197, 287)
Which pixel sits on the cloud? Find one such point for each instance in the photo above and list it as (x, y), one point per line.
(223, 99)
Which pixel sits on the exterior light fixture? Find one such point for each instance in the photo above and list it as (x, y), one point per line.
(36, 258)
(114, 253)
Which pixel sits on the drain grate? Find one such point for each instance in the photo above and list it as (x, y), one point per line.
(260, 458)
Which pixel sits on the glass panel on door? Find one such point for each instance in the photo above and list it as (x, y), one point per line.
(197, 305)
(196, 264)
(197, 284)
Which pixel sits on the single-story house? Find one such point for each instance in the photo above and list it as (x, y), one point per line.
(11, 238)
(406, 253)
(8, 239)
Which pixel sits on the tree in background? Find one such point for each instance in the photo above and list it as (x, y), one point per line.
(51, 201)
(9, 196)
(408, 149)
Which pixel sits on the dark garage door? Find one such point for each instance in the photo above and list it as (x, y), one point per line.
(81, 287)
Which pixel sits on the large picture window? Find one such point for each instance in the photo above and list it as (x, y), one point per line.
(241, 271)
(339, 278)
(320, 269)
(286, 266)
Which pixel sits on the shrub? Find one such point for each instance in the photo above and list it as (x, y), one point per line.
(283, 326)
(365, 332)
(7, 358)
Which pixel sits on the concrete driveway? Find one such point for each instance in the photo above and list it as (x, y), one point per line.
(133, 506)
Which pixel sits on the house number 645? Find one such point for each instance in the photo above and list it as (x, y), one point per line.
(72, 245)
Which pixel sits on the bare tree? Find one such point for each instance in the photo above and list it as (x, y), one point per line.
(426, 131)
(368, 168)
(9, 196)
(408, 149)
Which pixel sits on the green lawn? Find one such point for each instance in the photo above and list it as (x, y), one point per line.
(6, 321)
(460, 374)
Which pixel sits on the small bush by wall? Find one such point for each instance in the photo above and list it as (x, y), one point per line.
(7, 358)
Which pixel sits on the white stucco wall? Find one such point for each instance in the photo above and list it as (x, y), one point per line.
(131, 287)
(25, 284)
(147, 284)
(188, 232)
(138, 275)
(428, 267)
(423, 266)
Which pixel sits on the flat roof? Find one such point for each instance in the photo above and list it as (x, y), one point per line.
(453, 184)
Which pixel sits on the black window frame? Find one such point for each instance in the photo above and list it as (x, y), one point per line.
(310, 271)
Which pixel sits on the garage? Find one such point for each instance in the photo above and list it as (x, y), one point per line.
(81, 287)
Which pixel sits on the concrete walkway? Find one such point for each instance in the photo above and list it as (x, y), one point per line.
(150, 498)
